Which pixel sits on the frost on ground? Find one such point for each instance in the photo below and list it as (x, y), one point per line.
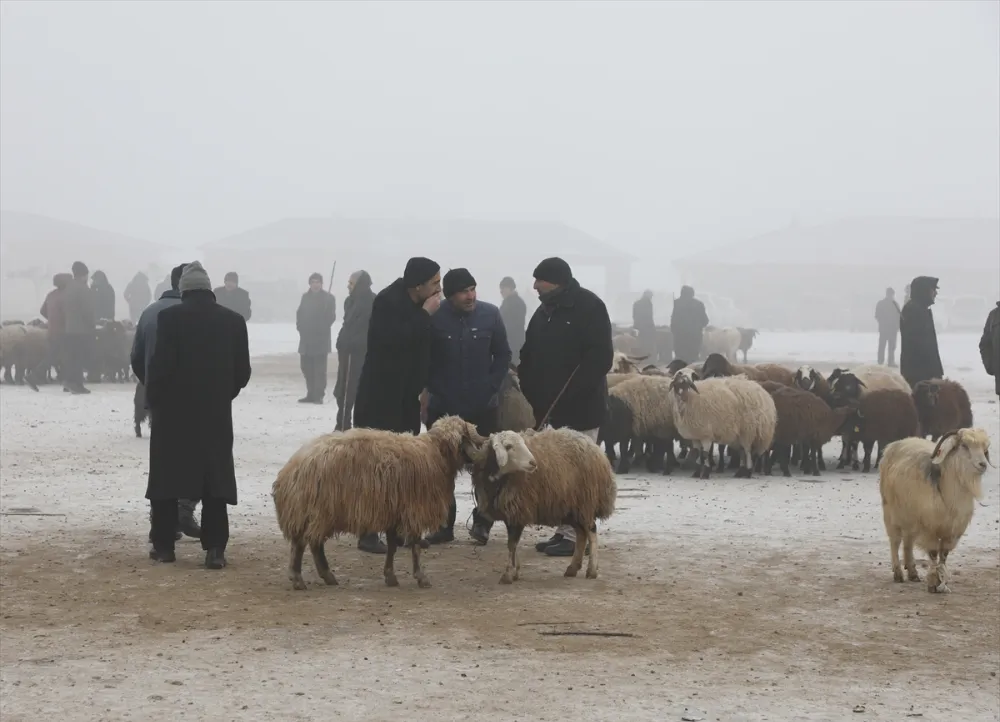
(766, 598)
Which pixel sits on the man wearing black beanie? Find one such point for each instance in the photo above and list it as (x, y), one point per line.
(469, 362)
(565, 359)
(397, 361)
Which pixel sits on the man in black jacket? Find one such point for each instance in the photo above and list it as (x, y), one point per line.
(352, 342)
(989, 346)
(513, 312)
(397, 361)
(231, 296)
(316, 314)
(642, 321)
(687, 324)
(887, 315)
(565, 360)
(919, 359)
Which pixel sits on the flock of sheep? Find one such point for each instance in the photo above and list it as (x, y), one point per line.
(364, 481)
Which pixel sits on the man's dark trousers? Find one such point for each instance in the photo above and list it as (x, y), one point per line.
(214, 524)
(314, 370)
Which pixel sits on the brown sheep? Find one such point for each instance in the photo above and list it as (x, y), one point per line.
(883, 416)
(365, 480)
(717, 365)
(943, 406)
(803, 418)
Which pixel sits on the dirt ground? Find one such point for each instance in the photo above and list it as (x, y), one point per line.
(759, 599)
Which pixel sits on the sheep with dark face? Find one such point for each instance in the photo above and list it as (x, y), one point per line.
(943, 406)
(803, 419)
(717, 366)
(849, 386)
(881, 417)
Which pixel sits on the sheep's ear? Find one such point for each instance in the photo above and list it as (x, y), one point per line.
(945, 445)
(499, 451)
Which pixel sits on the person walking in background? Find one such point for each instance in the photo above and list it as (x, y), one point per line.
(81, 323)
(352, 342)
(514, 313)
(687, 324)
(316, 314)
(989, 347)
(104, 296)
(143, 345)
(919, 359)
(567, 348)
(469, 360)
(642, 321)
(137, 295)
(397, 361)
(200, 364)
(887, 314)
(162, 287)
(53, 310)
(231, 296)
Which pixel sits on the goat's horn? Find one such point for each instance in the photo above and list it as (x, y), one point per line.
(937, 448)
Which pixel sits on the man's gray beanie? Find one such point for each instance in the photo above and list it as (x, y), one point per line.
(194, 278)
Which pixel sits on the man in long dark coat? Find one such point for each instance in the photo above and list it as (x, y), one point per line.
(642, 321)
(568, 349)
(201, 363)
(316, 314)
(687, 324)
(81, 322)
(352, 343)
(989, 347)
(514, 313)
(397, 361)
(138, 295)
(887, 315)
(919, 359)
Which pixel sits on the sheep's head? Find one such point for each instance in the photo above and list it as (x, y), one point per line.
(653, 370)
(747, 335)
(625, 364)
(969, 448)
(456, 432)
(716, 365)
(806, 378)
(505, 452)
(683, 382)
(845, 387)
(676, 365)
(925, 394)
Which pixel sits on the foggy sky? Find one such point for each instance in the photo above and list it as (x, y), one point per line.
(645, 123)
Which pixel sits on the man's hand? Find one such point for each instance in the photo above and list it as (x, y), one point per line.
(433, 303)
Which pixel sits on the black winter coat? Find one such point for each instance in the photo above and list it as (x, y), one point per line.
(397, 363)
(514, 313)
(687, 323)
(570, 330)
(201, 363)
(642, 315)
(353, 336)
(316, 314)
(104, 301)
(236, 300)
(989, 346)
(919, 359)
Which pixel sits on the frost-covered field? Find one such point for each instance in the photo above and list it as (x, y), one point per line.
(766, 598)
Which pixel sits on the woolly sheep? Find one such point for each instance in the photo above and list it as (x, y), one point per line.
(616, 430)
(747, 335)
(942, 406)
(732, 411)
(804, 419)
(717, 365)
(366, 480)
(882, 416)
(548, 477)
(850, 385)
(622, 363)
(514, 413)
(928, 497)
(649, 400)
(724, 341)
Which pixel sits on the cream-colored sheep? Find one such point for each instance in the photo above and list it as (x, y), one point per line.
(725, 341)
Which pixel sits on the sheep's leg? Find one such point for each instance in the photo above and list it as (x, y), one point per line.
(795, 453)
(418, 573)
(706, 468)
(513, 570)
(937, 577)
(842, 461)
(321, 564)
(854, 457)
(581, 545)
(820, 464)
(391, 545)
(911, 566)
(295, 565)
(592, 562)
(671, 461)
(734, 458)
(878, 457)
(722, 459)
(868, 457)
(894, 540)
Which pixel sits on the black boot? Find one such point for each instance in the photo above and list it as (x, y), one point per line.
(164, 556)
(441, 536)
(542, 546)
(372, 544)
(186, 520)
(215, 558)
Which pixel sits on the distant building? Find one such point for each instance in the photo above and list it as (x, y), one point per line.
(275, 260)
(831, 275)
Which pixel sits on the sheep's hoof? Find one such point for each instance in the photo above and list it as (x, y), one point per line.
(423, 582)
(897, 575)
(506, 578)
(912, 575)
(571, 571)
(941, 588)
(856, 467)
(298, 583)
(329, 579)
(697, 474)
(866, 469)
(591, 574)
(391, 581)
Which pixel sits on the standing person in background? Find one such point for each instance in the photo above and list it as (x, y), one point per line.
(567, 346)
(919, 359)
(316, 314)
(469, 361)
(201, 363)
(53, 310)
(143, 346)
(162, 287)
(137, 295)
(231, 296)
(397, 361)
(887, 314)
(514, 313)
(104, 296)
(81, 323)
(352, 342)
(989, 347)
(687, 324)
(642, 321)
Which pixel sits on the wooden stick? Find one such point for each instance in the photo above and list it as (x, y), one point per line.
(586, 634)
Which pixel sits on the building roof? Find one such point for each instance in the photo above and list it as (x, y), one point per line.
(405, 237)
(933, 243)
(43, 233)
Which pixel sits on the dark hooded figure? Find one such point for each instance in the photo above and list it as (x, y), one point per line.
(397, 361)
(687, 323)
(989, 346)
(230, 295)
(514, 313)
(81, 321)
(53, 310)
(316, 314)
(919, 359)
(352, 342)
(642, 321)
(200, 364)
(137, 295)
(104, 296)
(887, 315)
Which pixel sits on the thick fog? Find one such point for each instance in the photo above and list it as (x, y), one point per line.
(660, 128)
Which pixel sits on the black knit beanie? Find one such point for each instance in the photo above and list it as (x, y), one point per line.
(419, 270)
(316, 277)
(507, 282)
(175, 276)
(554, 270)
(455, 280)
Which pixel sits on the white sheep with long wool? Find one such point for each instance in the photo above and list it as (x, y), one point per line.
(721, 340)
(929, 494)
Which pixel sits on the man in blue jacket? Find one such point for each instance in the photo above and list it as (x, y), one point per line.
(469, 360)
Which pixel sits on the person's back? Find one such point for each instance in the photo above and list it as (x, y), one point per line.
(887, 316)
(230, 295)
(53, 308)
(989, 346)
(137, 295)
(514, 313)
(144, 342)
(687, 322)
(919, 358)
(104, 296)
